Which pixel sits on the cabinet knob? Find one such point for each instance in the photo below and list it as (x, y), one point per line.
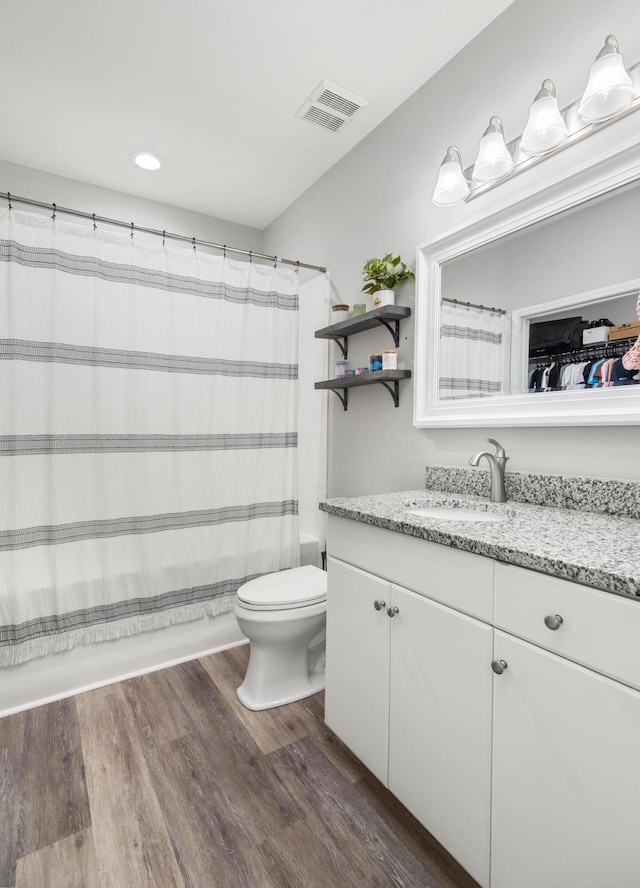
(379, 604)
(553, 621)
(392, 611)
(498, 666)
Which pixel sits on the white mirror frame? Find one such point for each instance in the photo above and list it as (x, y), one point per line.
(608, 406)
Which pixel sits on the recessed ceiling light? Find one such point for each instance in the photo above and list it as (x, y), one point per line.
(147, 161)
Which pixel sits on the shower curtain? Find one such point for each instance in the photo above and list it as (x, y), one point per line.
(474, 352)
(147, 431)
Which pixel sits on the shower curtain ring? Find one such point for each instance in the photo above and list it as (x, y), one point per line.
(9, 199)
(54, 212)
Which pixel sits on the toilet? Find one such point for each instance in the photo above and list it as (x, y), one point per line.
(283, 615)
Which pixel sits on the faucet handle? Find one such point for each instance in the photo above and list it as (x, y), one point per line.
(500, 452)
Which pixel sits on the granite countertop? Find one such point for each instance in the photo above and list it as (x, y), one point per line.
(589, 547)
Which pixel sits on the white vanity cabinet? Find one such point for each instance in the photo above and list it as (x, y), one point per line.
(566, 774)
(357, 672)
(408, 683)
(529, 774)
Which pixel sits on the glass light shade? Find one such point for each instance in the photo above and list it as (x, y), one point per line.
(451, 187)
(493, 161)
(608, 91)
(545, 129)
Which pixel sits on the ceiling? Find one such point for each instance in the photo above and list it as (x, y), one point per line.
(212, 88)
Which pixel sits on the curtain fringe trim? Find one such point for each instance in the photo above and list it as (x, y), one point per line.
(65, 641)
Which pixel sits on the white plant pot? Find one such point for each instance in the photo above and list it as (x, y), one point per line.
(384, 297)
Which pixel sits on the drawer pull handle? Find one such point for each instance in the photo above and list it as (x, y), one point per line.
(498, 666)
(553, 621)
(379, 604)
(392, 611)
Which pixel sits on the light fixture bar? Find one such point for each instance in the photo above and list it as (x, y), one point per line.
(578, 130)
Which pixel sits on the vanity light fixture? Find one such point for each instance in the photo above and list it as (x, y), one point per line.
(451, 187)
(612, 92)
(493, 161)
(609, 89)
(147, 161)
(545, 129)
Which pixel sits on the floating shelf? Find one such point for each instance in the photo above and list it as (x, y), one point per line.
(388, 378)
(388, 316)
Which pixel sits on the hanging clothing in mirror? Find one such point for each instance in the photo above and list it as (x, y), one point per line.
(631, 360)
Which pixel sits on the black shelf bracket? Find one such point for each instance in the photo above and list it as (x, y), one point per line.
(394, 330)
(344, 397)
(343, 344)
(392, 389)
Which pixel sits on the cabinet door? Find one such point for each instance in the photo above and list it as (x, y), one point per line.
(566, 774)
(440, 725)
(357, 670)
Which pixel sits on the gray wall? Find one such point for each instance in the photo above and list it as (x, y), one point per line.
(592, 247)
(38, 185)
(378, 198)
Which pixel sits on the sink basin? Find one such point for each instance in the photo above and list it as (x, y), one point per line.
(462, 513)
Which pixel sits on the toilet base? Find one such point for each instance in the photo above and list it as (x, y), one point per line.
(316, 684)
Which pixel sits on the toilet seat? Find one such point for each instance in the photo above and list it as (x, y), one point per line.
(286, 589)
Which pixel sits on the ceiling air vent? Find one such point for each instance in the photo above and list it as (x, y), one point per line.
(330, 106)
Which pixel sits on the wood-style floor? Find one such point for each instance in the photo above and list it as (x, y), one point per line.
(167, 781)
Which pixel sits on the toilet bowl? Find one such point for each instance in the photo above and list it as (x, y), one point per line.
(283, 615)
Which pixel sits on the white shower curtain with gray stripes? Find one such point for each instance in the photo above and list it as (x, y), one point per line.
(475, 351)
(147, 431)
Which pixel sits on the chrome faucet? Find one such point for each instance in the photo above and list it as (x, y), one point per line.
(497, 463)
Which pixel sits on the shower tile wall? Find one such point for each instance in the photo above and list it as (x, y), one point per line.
(312, 406)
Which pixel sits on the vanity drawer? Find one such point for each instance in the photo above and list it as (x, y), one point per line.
(598, 629)
(462, 580)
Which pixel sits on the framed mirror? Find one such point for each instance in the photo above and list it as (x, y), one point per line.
(541, 285)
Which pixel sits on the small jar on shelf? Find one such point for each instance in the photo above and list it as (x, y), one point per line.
(339, 313)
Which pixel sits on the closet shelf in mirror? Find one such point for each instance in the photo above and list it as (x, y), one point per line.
(388, 316)
(388, 378)
(615, 348)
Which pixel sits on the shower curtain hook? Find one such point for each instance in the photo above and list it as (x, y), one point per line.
(224, 251)
(297, 266)
(194, 244)
(250, 257)
(9, 199)
(275, 261)
(54, 212)
(132, 231)
(94, 222)
(163, 236)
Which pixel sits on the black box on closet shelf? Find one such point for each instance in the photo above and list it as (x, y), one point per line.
(551, 337)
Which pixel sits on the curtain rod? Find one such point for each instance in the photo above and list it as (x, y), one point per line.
(252, 254)
(500, 311)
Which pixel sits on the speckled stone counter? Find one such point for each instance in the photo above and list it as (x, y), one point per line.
(597, 550)
(604, 495)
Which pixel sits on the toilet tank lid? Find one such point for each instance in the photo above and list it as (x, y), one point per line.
(298, 585)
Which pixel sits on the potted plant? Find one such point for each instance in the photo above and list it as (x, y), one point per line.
(382, 275)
